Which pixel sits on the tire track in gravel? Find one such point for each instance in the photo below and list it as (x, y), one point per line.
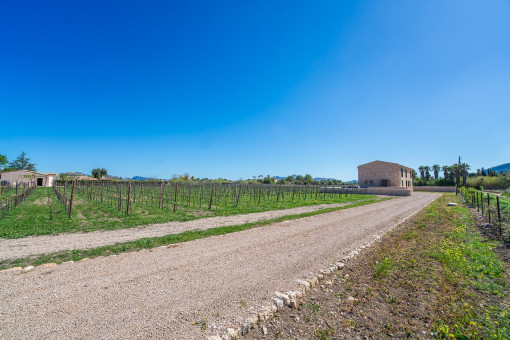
(171, 292)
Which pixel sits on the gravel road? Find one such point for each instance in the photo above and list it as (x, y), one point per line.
(33, 245)
(167, 292)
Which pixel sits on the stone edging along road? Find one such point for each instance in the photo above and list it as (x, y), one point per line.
(193, 289)
(292, 298)
(35, 245)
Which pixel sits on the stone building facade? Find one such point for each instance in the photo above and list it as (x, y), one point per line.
(26, 176)
(385, 174)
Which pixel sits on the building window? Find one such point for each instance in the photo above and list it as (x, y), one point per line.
(406, 173)
(402, 182)
(366, 181)
(401, 172)
(371, 182)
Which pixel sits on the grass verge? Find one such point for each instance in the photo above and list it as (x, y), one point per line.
(147, 243)
(42, 213)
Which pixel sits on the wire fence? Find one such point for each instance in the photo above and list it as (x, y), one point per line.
(494, 209)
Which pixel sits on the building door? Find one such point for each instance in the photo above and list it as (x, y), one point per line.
(385, 182)
(39, 182)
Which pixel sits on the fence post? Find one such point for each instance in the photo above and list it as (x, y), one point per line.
(71, 202)
(489, 206)
(499, 212)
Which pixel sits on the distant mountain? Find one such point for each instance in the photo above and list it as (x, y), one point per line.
(115, 177)
(353, 181)
(74, 173)
(501, 168)
(140, 178)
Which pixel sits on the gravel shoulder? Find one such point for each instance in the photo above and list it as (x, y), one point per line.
(191, 289)
(34, 245)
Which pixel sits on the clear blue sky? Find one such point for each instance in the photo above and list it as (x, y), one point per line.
(239, 89)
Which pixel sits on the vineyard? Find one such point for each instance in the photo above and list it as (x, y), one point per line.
(87, 206)
(133, 197)
(13, 195)
(494, 209)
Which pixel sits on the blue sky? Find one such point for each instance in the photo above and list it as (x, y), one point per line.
(237, 89)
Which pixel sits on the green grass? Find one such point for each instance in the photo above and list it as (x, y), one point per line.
(42, 214)
(383, 267)
(444, 258)
(468, 262)
(8, 192)
(148, 243)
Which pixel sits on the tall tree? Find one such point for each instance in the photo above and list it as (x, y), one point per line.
(309, 179)
(22, 163)
(464, 168)
(3, 162)
(446, 170)
(426, 168)
(436, 169)
(99, 173)
(456, 171)
(421, 168)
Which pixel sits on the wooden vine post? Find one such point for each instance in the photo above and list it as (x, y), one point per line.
(128, 202)
(71, 202)
(212, 193)
(16, 199)
(120, 196)
(175, 198)
(161, 196)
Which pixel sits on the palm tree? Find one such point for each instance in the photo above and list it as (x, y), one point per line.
(421, 168)
(451, 175)
(427, 171)
(464, 168)
(436, 169)
(456, 172)
(446, 170)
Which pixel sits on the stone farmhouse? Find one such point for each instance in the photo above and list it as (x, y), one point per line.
(26, 176)
(385, 174)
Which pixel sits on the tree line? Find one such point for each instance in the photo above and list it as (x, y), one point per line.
(22, 162)
(452, 174)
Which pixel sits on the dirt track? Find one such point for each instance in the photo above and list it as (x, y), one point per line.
(33, 245)
(162, 293)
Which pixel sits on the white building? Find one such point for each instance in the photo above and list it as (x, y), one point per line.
(26, 176)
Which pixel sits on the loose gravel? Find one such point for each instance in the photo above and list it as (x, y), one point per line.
(189, 290)
(34, 245)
